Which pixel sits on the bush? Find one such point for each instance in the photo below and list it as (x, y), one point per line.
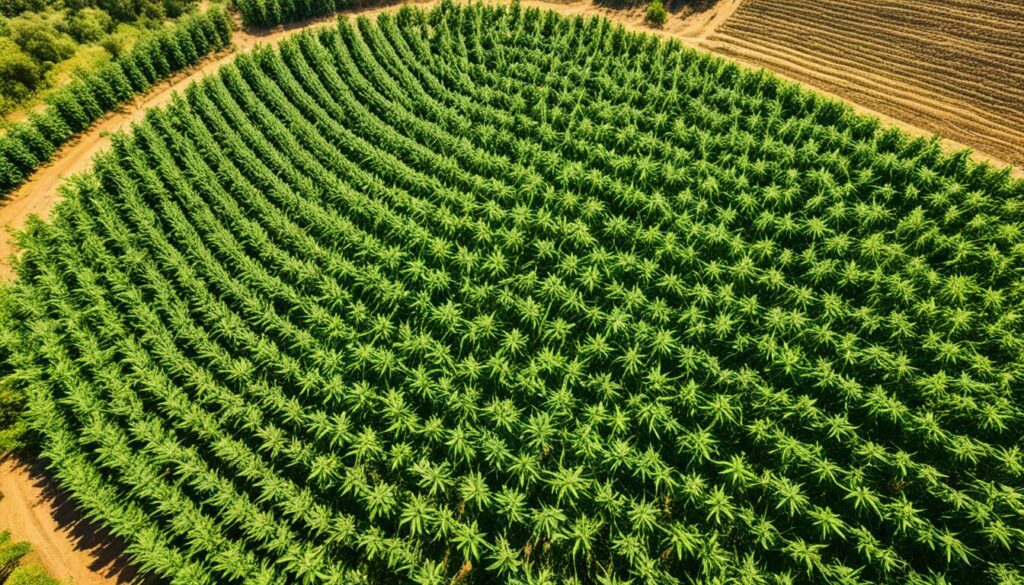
(116, 43)
(32, 574)
(10, 553)
(39, 37)
(16, 7)
(89, 25)
(19, 74)
(656, 14)
(175, 8)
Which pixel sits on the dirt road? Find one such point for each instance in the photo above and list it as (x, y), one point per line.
(71, 550)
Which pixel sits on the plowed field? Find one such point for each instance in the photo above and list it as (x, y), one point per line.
(951, 67)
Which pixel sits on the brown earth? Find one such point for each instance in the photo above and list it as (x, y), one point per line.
(71, 549)
(950, 67)
(34, 510)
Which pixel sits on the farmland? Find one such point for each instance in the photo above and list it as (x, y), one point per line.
(953, 68)
(491, 295)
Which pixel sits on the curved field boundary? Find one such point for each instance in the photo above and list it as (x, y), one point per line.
(23, 505)
(949, 68)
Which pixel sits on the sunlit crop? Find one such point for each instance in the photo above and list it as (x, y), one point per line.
(486, 295)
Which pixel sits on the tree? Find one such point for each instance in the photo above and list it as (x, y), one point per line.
(19, 74)
(39, 37)
(89, 25)
(16, 7)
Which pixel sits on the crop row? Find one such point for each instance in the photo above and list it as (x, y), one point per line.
(274, 12)
(72, 109)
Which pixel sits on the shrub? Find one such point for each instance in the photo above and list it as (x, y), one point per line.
(19, 74)
(39, 37)
(16, 7)
(10, 553)
(89, 25)
(656, 14)
(31, 575)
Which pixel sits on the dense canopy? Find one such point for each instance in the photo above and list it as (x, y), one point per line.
(489, 295)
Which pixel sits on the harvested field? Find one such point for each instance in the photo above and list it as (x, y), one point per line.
(954, 68)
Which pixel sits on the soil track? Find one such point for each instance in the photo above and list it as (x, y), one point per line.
(35, 511)
(953, 68)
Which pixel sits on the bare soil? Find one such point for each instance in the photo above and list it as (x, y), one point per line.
(74, 551)
(953, 68)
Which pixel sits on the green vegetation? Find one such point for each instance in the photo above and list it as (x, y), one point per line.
(41, 43)
(487, 295)
(273, 12)
(656, 14)
(12, 424)
(13, 569)
(81, 102)
(31, 574)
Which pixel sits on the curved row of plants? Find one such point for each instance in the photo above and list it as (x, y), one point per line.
(486, 294)
(274, 12)
(72, 109)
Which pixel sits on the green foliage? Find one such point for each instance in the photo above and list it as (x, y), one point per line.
(11, 554)
(134, 10)
(14, 573)
(41, 37)
(656, 15)
(486, 295)
(82, 101)
(31, 574)
(16, 7)
(43, 43)
(116, 43)
(89, 25)
(19, 72)
(273, 12)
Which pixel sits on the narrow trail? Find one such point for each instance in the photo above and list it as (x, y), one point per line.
(705, 23)
(71, 550)
(31, 507)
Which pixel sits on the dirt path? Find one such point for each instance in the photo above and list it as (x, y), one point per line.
(71, 550)
(704, 23)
